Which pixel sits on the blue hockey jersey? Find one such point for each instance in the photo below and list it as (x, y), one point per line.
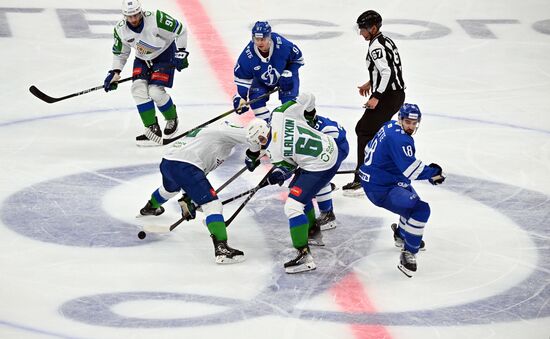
(333, 129)
(283, 55)
(390, 160)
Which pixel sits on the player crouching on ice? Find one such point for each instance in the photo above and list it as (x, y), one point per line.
(160, 42)
(327, 219)
(386, 176)
(290, 143)
(184, 168)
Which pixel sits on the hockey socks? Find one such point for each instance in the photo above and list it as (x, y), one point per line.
(168, 110)
(299, 230)
(216, 226)
(310, 214)
(147, 113)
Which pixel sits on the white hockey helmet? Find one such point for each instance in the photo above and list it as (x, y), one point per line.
(131, 7)
(257, 128)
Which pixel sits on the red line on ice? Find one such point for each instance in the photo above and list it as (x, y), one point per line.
(349, 294)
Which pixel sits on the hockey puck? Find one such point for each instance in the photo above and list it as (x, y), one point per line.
(142, 235)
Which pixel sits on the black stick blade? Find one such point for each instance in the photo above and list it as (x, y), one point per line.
(41, 95)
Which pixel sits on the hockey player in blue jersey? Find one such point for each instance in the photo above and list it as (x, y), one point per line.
(386, 176)
(269, 60)
(327, 219)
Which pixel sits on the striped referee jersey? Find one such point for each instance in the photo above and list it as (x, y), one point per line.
(384, 65)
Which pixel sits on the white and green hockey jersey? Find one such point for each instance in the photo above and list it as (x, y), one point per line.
(295, 144)
(208, 147)
(159, 31)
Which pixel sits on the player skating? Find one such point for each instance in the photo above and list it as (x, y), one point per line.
(291, 143)
(160, 43)
(184, 168)
(269, 60)
(390, 166)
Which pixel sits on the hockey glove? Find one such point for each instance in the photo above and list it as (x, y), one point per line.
(111, 81)
(188, 209)
(239, 104)
(180, 59)
(278, 176)
(439, 176)
(252, 160)
(285, 81)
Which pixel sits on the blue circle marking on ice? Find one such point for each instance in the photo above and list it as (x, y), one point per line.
(68, 211)
(25, 213)
(527, 300)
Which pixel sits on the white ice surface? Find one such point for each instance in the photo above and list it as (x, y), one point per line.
(485, 101)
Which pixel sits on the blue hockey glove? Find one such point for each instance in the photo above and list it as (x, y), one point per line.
(285, 81)
(110, 82)
(239, 104)
(252, 160)
(278, 176)
(439, 176)
(180, 59)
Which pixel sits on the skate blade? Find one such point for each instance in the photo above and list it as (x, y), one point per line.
(147, 143)
(353, 194)
(301, 268)
(405, 271)
(221, 259)
(315, 242)
(328, 226)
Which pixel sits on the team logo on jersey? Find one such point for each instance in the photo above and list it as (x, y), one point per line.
(144, 48)
(296, 191)
(271, 76)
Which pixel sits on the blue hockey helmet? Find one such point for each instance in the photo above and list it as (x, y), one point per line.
(261, 29)
(410, 111)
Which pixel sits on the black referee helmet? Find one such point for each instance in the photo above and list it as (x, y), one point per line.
(368, 19)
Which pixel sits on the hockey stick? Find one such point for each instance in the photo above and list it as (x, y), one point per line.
(248, 103)
(50, 100)
(346, 172)
(262, 184)
(164, 229)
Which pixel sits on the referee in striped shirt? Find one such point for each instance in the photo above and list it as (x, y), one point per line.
(385, 87)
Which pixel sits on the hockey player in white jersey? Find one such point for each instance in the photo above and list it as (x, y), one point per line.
(327, 219)
(184, 168)
(160, 43)
(269, 60)
(290, 143)
(386, 175)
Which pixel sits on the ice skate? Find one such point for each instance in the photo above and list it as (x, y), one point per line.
(171, 127)
(326, 221)
(303, 262)
(148, 209)
(353, 189)
(407, 263)
(151, 137)
(315, 238)
(225, 254)
(398, 241)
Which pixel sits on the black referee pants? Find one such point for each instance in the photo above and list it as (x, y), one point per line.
(373, 119)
